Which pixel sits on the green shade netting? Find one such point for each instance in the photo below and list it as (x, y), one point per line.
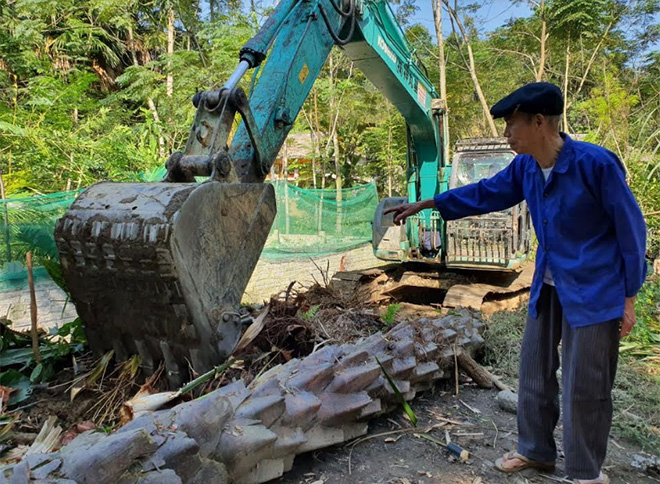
(308, 223)
(316, 222)
(27, 224)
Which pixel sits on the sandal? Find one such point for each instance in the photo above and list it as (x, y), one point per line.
(602, 479)
(506, 464)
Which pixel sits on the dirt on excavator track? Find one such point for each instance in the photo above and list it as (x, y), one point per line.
(421, 285)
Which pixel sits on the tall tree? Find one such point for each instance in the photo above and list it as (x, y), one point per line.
(442, 61)
(471, 65)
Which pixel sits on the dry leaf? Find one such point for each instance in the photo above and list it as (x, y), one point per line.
(253, 330)
(238, 365)
(93, 376)
(48, 437)
(76, 430)
(5, 392)
(390, 440)
(14, 455)
(143, 402)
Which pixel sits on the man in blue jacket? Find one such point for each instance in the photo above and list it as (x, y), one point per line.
(589, 267)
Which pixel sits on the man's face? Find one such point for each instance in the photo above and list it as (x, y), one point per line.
(521, 132)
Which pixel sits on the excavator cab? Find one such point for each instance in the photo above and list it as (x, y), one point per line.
(493, 241)
(498, 241)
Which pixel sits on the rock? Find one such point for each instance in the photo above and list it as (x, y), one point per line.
(267, 409)
(649, 464)
(85, 439)
(508, 401)
(242, 447)
(36, 459)
(266, 470)
(53, 481)
(159, 476)
(251, 434)
(301, 409)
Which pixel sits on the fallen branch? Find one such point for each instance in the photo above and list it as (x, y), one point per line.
(481, 376)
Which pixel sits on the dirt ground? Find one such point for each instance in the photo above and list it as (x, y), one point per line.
(404, 458)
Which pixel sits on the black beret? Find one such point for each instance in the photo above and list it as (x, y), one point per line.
(534, 98)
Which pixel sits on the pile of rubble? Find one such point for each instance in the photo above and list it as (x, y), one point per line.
(251, 434)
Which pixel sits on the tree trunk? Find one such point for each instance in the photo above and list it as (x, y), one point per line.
(335, 138)
(170, 52)
(442, 64)
(389, 161)
(473, 71)
(544, 37)
(212, 9)
(317, 133)
(285, 176)
(589, 65)
(5, 217)
(335, 146)
(335, 155)
(150, 101)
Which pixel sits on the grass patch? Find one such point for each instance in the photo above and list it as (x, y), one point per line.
(644, 340)
(390, 313)
(636, 391)
(503, 337)
(637, 403)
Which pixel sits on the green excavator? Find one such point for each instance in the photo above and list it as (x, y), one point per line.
(158, 269)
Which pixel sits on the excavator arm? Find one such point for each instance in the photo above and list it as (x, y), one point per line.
(296, 41)
(159, 269)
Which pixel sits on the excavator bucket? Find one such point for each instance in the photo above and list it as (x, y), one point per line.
(159, 269)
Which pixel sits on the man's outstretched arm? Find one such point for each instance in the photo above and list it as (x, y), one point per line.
(493, 194)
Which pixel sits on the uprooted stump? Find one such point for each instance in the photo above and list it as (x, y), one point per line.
(240, 434)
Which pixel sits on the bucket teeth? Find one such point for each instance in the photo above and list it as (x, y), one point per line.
(159, 269)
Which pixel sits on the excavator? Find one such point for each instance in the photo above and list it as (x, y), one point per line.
(158, 269)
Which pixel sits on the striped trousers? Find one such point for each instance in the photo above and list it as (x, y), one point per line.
(589, 360)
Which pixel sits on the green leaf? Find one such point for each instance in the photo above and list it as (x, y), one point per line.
(36, 373)
(19, 382)
(402, 401)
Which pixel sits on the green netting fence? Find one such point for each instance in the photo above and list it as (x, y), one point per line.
(317, 222)
(308, 223)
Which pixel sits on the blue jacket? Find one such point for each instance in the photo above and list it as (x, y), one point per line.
(587, 222)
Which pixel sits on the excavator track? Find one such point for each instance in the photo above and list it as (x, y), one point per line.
(446, 288)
